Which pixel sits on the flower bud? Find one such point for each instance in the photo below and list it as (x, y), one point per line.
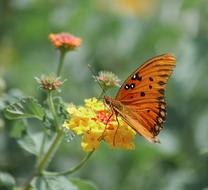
(49, 83)
(107, 79)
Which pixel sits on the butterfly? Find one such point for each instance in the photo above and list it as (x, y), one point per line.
(140, 101)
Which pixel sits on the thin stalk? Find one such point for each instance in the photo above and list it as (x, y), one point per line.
(42, 147)
(52, 108)
(71, 170)
(61, 62)
(51, 151)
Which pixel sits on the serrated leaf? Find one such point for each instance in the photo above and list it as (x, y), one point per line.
(25, 108)
(84, 184)
(52, 183)
(6, 181)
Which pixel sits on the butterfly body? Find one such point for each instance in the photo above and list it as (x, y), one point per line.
(141, 99)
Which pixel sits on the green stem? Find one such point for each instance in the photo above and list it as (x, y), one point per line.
(42, 164)
(52, 108)
(44, 161)
(51, 151)
(70, 171)
(42, 145)
(61, 62)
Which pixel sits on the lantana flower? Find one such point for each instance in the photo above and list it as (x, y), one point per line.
(65, 41)
(95, 123)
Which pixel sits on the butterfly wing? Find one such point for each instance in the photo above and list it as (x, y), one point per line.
(142, 96)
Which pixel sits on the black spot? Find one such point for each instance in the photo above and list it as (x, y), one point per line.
(148, 111)
(150, 78)
(161, 83)
(139, 78)
(132, 85)
(131, 97)
(126, 87)
(161, 99)
(150, 86)
(161, 91)
(163, 76)
(142, 94)
(134, 77)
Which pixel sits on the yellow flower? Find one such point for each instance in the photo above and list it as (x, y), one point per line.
(95, 124)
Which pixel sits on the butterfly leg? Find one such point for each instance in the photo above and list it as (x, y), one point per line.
(116, 131)
(103, 133)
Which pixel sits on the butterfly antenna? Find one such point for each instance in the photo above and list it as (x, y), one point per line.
(94, 76)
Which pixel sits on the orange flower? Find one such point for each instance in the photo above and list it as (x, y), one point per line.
(65, 41)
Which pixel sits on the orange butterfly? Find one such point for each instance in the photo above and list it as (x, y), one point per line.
(140, 101)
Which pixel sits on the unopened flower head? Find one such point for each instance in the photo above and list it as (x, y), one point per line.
(95, 124)
(107, 79)
(49, 83)
(65, 41)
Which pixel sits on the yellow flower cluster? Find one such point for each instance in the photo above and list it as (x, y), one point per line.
(95, 123)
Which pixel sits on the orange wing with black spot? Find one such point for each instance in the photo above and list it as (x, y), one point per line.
(143, 96)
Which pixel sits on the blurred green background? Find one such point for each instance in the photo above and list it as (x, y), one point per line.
(118, 35)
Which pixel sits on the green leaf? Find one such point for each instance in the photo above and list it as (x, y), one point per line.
(84, 184)
(32, 143)
(52, 183)
(18, 129)
(25, 108)
(60, 107)
(7, 182)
